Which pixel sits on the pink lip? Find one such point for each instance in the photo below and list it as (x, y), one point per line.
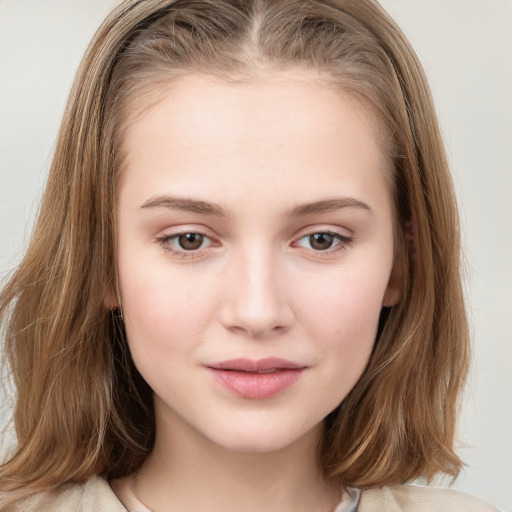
(256, 379)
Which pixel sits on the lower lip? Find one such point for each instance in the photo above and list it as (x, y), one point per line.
(257, 385)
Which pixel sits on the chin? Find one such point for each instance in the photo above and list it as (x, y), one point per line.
(257, 446)
(266, 440)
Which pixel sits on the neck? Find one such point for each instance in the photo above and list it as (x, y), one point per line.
(188, 472)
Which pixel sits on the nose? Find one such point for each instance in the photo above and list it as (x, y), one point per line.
(256, 296)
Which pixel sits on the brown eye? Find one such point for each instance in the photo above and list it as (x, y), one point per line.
(190, 241)
(321, 241)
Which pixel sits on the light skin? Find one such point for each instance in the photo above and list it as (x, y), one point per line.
(281, 185)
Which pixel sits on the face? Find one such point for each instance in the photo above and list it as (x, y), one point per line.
(255, 253)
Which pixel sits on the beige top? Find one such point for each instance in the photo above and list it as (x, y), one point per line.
(123, 489)
(97, 496)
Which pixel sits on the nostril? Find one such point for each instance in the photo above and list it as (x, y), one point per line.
(255, 332)
(259, 305)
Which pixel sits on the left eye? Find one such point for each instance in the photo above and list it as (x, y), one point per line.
(322, 241)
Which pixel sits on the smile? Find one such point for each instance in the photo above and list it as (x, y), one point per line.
(256, 379)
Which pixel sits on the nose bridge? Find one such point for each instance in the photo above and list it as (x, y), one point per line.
(256, 301)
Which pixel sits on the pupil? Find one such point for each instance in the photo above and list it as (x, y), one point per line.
(190, 241)
(321, 241)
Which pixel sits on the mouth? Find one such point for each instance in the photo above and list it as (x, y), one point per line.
(267, 365)
(256, 379)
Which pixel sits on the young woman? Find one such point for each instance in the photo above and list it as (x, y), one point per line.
(243, 289)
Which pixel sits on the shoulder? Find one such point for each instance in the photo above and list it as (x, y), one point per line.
(415, 498)
(92, 496)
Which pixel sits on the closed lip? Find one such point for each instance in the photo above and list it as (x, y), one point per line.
(265, 365)
(256, 379)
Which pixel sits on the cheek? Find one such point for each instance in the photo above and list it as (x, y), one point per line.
(343, 323)
(342, 315)
(164, 313)
(344, 303)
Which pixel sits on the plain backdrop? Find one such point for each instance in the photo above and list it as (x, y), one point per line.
(466, 48)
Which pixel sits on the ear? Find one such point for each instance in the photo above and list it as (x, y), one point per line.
(110, 300)
(409, 247)
(394, 289)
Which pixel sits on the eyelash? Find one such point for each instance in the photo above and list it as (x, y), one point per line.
(343, 242)
(165, 241)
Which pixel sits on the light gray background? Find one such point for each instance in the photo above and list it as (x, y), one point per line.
(466, 48)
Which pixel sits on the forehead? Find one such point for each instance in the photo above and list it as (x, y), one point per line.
(198, 100)
(283, 127)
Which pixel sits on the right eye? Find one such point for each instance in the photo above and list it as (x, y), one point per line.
(183, 243)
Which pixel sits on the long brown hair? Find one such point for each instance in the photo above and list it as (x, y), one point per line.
(81, 407)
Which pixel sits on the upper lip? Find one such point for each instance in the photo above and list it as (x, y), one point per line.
(256, 365)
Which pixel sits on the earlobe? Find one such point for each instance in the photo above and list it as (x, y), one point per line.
(392, 296)
(110, 300)
(407, 249)
(394, 289)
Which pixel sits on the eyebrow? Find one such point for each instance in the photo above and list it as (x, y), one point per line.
(327, 205)
(206, 208)
(187, 205)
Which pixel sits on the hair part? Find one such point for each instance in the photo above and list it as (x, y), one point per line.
(82, 408)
